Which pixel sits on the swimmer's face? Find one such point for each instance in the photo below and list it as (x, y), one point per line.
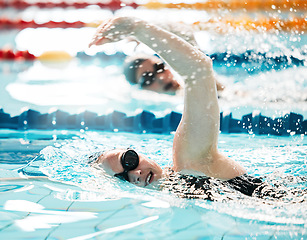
(163, 81)
(144, 174)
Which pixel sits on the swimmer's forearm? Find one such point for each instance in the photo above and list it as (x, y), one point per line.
(187, 60)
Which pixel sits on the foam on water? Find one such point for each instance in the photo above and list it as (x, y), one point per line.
(275, 90)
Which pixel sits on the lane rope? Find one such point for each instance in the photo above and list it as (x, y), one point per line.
(250, 61)
(222, 25)
(146, 122)
(251, 5)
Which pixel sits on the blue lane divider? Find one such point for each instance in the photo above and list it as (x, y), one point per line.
(251, 61)
(253, 123)
(254, 62)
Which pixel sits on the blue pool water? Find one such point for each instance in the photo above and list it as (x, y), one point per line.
(78, 202)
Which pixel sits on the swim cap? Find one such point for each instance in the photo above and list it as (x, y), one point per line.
(131, 65)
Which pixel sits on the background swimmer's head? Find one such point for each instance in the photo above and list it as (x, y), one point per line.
(151, 73)
(146, 172)
(131, 66)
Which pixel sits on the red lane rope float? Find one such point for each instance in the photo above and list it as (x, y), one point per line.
(293, 24)
(208, 5)
(9, 54)
(250, 5)
(21, 4)
(6, 23)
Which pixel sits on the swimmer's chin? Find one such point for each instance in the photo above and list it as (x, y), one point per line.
(156, 183)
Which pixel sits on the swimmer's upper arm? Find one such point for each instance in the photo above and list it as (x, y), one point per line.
(195, 141)
(198, 131)
(196, 138)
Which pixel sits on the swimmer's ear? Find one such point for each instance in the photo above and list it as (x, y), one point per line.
(94, 157)
(100, 154)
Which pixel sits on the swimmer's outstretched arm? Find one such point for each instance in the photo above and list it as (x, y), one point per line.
(195, 141)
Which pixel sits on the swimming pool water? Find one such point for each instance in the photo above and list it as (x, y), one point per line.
(78, 202)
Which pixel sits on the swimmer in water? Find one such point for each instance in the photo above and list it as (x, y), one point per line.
(197, 163)
(151, 73)
(195, 150)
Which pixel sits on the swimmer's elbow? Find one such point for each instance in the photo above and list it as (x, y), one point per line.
(206, 61)
(202, 66)
(199, 59)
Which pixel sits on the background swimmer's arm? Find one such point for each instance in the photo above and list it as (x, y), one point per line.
(195, 142)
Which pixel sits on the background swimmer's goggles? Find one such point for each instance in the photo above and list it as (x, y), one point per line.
(148, 78)
(130, 161)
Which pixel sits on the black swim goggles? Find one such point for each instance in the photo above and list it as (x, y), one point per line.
(130, 161)
(149, 78)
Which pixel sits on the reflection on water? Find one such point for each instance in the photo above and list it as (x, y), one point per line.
(42, 218)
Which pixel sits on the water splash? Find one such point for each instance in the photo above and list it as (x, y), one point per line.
(283, 163)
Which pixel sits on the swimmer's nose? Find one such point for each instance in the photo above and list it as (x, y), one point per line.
(168, 86)
(135, 177)
(168, 83)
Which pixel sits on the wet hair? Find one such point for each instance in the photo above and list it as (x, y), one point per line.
(131, 65)
(92, 158)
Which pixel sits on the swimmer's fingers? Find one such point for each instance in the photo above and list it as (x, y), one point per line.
(99, 38)
(114, 30)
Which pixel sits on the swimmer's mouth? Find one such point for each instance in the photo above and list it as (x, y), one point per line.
(149, 178)
(171, 87)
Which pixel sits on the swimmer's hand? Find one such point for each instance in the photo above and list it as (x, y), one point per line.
(114, 30)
